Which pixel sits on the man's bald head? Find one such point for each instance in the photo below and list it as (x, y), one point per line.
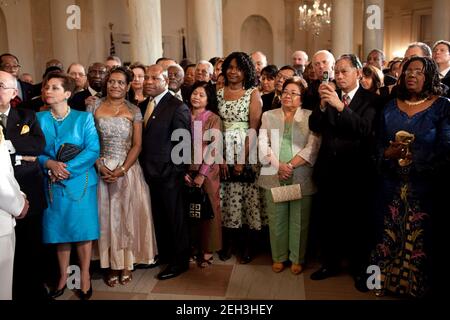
(9, 89)
(156, 80)
(8, 79)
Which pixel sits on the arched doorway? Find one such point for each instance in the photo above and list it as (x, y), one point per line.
(257, 35)
(3, 33)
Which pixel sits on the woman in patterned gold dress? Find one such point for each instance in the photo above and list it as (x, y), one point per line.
(126, 226)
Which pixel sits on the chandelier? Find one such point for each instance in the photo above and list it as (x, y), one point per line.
(5, 3)
(312, 19)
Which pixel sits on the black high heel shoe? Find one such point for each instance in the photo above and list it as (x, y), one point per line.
(85, 295)
(57, 293)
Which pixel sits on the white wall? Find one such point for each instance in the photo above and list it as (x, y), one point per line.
(20, 42)
(234, 14)
(173, 19)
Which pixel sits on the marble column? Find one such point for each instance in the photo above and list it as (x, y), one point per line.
(440, 20)
(207, 28)
(65, 40)
(342, 27)
(145, 30)
(373, 26)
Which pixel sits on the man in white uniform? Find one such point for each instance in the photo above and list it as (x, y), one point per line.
(13, 203)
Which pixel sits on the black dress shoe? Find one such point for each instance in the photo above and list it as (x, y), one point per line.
(147, 266)
(323, 273)
(224, 255)
(56, 293)
(85, 295)
(172, 271)
(246, 259)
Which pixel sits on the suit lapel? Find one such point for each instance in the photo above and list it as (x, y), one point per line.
(159, 108)
(357, 100)
(13, 119)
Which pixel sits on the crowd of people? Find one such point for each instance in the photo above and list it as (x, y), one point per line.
(360, 154)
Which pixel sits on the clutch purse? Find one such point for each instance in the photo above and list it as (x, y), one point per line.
(247, 175)
(67, 152)
(286, 193)
(199, 206)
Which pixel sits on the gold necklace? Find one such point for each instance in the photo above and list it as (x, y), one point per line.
(59, 119)
(116, 106)
(415, 103)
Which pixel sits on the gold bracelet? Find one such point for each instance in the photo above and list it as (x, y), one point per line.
(123, 170)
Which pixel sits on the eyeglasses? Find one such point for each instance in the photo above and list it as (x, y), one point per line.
(112, 82)
(4, 87)
(11, 66)
(414, 73)
(282, 77)
(291, 94)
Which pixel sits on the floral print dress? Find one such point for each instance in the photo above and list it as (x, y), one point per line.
(240, 201)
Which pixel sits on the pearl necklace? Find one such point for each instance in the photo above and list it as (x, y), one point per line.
(415, 103)
(60, 119)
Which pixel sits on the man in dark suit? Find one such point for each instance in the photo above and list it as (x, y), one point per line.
(163, 114)
(344, 170)
(273, 100)
(25, 142)
(322, 61)
(10, 64)
(441, 55)
(96, 79)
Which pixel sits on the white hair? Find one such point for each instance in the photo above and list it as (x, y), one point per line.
(210, 66)
(328, 53)
(176, 65)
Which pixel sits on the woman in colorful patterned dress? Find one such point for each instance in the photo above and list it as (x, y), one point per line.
(414, 146)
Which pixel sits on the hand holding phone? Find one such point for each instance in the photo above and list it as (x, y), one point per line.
(325, 77)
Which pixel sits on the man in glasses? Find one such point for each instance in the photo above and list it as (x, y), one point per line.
(10, 64)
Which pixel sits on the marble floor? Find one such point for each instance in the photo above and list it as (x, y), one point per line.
(230, 280)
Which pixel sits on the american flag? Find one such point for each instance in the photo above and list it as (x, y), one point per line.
(112, 47)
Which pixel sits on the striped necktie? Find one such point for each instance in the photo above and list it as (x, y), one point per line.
(346, 100)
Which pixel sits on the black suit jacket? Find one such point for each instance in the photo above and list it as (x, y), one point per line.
(169, 115)
(32, 143)
(77, 100)
(347, 137)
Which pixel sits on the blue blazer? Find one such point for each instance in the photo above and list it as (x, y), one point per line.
(78, 128)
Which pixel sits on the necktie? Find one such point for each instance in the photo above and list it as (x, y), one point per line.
(178, 95)
(98, 94)
(4, 119)
(345, 100)
(149, 111)
(15, 102)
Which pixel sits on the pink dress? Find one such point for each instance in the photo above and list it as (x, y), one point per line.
(127, 234)
(207, 234)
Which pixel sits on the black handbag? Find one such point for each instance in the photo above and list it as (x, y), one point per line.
(67, 152)
(199, 206)
(247, 175)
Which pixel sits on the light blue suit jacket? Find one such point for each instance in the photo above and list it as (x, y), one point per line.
(78, 128)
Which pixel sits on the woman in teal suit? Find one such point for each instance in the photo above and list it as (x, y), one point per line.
(71, 216)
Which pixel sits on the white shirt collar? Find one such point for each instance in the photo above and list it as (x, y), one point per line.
(443, 73)
(160, 96)
(92, 91)
(352, 93)
(7, 111)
